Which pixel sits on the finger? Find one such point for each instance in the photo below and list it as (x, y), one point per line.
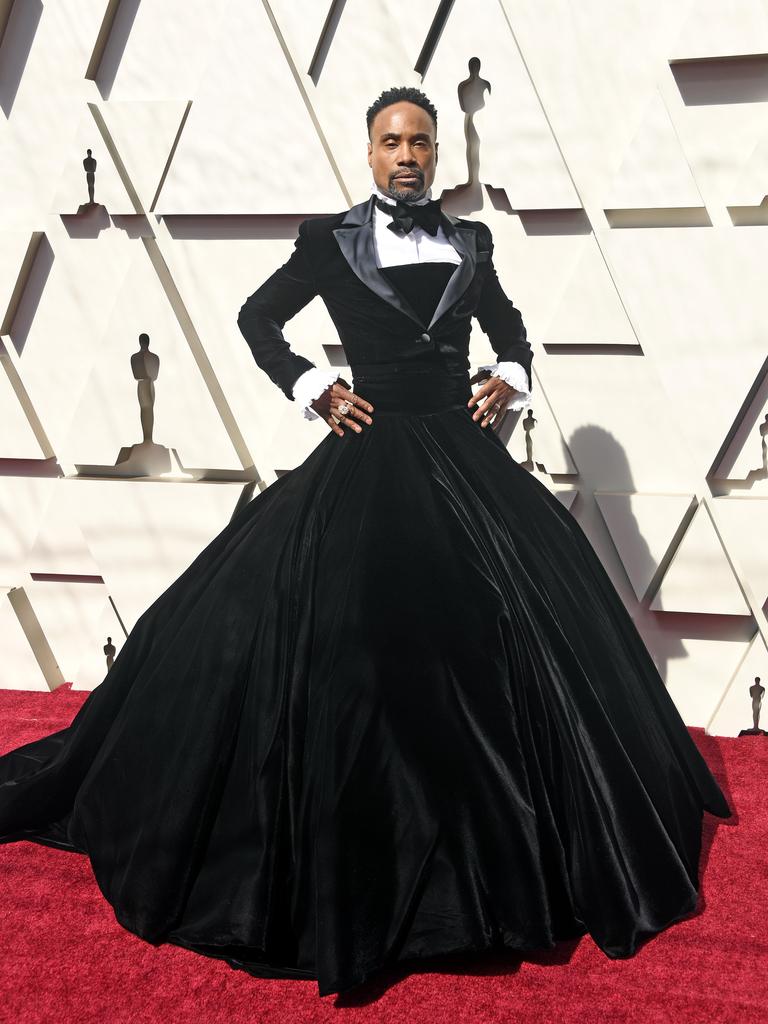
(488, 400)
(334, 426)
(337, 418)
(354, 411)
(491, 416)
(488, 386)
(351, 423)
(351, 396)
(483, 390)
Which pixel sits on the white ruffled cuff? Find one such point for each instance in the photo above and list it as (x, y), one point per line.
(516, 376)
(310, 385)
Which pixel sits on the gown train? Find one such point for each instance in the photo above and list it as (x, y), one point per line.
(395, 708)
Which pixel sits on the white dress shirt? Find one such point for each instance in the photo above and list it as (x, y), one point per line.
(393, 249)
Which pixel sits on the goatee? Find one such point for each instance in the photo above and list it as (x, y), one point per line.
(405, 195)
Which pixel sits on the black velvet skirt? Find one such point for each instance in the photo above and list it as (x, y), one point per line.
(395, 708)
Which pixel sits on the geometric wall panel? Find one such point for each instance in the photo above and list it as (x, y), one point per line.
(48, 627)
(92, 666)
(143, 535)
(17, 438)
(214, 277)
(166, 51)
(749, 187)
(595, 68)
(238, 150)
(734, 711)
(143, 133)
(72, 617)
(72, 190)
(24, 502)
(718, 61)
(538, 442)
(743, 525)
(557, 278)
(517, 149)
(586, 308)
(69, 321)
(617, 423)
(17, 249)
(697, 676)
(59, 548)
(696, 298)
(708, 32)
(722, 142)
(566, 496)
(300, 24)
(344, 60)
(43, 100)
(654, 171)
(19, 668)
(107, 415)
(642, 527)
(743, 458)
(699, 577)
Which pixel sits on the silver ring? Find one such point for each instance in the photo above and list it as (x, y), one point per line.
(344, 408)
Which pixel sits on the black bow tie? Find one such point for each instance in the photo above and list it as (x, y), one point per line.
(405, 215)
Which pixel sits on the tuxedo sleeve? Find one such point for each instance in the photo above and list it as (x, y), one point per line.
(501, 320)
(264, 314)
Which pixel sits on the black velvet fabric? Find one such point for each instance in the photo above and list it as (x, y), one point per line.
(421, 284)
(395, 708)
(334, 258)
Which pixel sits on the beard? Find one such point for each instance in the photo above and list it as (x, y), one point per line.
(407, 195)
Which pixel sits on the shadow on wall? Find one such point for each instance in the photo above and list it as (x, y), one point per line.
(111, 41)
(18, 28)
(711, 80)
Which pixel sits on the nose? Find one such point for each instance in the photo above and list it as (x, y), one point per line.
(405, 156)
(409, 163)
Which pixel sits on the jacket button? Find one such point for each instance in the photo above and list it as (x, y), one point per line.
(425, 337)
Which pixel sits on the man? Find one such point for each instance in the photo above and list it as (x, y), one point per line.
(339, 258)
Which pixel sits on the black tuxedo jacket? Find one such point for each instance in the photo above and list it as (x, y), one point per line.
(335, 258)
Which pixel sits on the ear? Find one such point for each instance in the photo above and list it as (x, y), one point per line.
(437, 152)
(370, 155)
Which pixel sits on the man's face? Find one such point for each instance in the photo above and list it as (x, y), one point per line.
(402, 152)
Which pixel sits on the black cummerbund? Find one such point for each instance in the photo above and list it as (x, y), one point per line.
(412, 387)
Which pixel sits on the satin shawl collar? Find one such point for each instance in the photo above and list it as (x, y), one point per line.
(355, 238)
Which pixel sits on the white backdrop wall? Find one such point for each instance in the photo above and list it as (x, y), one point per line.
(623, 168)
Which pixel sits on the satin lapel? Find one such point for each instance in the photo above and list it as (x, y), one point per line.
(355, 239)
(357, 245)
(464, 240)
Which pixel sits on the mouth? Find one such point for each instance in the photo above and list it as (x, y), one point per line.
(408, 177)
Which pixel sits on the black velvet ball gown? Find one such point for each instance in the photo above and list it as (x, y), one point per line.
(395, 708)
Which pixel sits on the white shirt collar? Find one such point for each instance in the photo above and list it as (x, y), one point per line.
(388, 199)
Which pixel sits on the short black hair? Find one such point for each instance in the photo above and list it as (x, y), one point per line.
(397, 94)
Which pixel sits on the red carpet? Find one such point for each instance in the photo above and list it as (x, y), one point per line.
(64, 957)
